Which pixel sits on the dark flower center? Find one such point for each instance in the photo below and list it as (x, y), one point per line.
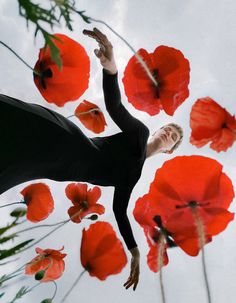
(84, 205)
(170, 242)
(44, 73)
(157, 88)
(192, 204)
(224, 125)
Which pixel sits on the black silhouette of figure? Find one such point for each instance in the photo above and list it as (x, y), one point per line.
(37, 142)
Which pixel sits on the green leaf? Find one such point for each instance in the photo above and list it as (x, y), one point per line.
(4, 278)
(5, 239)
(18, 212)
(54, 50)
(4, 229)
(48, 300)
(5, 253)
(2, 294)
(21, 292)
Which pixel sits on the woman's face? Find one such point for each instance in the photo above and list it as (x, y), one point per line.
(165, 138)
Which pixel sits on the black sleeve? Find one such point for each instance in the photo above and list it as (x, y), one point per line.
(115, 108)
(120, 204)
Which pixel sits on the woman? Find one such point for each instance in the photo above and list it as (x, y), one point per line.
(39, 143)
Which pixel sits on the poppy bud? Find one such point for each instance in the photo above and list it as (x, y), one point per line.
(18, 212)
(39, 275)
(93, 217)
(47, 301)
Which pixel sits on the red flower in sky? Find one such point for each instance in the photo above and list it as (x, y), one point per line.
(68, 83)
(49, 260)
(170, 69)
(39, 201)
(211, 122)
(102, 253)
(91, 116)
(144, 215)
(188, 184)
(84, 200)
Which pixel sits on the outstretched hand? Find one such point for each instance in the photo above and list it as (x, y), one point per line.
(105, 52)
(134, 273)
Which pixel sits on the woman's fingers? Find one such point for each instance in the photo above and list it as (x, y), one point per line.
(98, 36)
(92, 35)
(101, 36)
(130, 282)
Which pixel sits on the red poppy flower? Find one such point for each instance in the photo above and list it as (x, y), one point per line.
(57, 85)
(84, 200)
(91, 116)
(102, 253)
(188, 183)
(170, 69)
(186, 236)
(39, 201)
(144, 215)
(50, 261)
(211, 122)
(152, 236)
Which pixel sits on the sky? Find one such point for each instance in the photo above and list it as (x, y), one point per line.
(205, 33)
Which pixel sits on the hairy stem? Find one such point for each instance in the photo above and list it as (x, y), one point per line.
(202, 242)
(160, 265)
(72, 287)
(20, 202)
(9, 48)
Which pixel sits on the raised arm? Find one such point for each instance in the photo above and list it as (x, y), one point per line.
(117, 111)
(120, 204)
(115, 108)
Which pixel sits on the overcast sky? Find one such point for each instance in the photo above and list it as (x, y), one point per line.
(205, 32)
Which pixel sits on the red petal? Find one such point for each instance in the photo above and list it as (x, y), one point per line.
(97, 209)
(139, 89)
(93, 195)
(223, 141)
(91, 116)
(76, 192)
(39, 201)
(71, 81)
(173, 75)
(144, 211)
(102, 253)
(206, 118)
(184, 179)
(72, 211)
(220, 218)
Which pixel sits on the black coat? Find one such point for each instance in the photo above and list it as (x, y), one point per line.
(37, 142)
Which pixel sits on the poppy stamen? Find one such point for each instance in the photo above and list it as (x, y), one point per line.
(84, 205)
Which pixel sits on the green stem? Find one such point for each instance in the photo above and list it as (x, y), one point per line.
(45, 236)
(202, 242)
(70, 116)
(90, 111)
(10, 49)
(38, 226)
(34, 286)
(139, 58)
(72, 287)
(55, 289)
(12, 204)
(4, 263)
(15, 282)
